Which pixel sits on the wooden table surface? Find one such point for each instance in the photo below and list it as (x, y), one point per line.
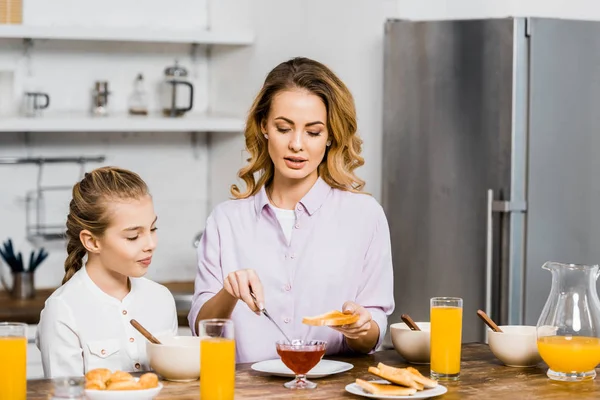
(482, 377)
(28, 311)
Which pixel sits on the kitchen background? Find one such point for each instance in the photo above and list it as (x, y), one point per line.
(189, 162)
(189, 173)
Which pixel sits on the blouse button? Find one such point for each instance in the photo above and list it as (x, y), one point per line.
(287, 287)
(124, 312)
(131, 339)
(137, 365)
(103, 352)
(287, 320)
(297, 226)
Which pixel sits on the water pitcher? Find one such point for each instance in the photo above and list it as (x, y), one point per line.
(568, 331)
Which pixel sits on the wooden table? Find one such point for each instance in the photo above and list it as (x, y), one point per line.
(482, 377)
(28, 311)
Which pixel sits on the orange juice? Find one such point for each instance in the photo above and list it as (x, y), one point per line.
(446, 334)
(570, 354)
(13, 368)
(217, 369)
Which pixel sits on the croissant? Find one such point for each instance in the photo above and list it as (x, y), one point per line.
(103, 379)
(120, 376)
(95, 385)
(148, 380)
(124, 385)
(98, 374)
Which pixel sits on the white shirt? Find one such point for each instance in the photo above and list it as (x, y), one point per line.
(287, 219)
(82, 328)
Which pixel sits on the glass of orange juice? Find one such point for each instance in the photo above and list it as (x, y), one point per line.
(445, 337)
(217, 359)
(13, 361)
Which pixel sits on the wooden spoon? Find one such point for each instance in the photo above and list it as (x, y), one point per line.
(409, 322)
(144, 332)
(488, 321)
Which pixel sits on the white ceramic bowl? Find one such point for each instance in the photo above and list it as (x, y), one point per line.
(516, 346)
(413, 346)
(176, 359)
(144, 394)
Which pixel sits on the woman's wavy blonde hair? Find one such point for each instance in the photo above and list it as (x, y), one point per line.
(342, 157)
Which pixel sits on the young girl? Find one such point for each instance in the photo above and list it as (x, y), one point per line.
(85, 323)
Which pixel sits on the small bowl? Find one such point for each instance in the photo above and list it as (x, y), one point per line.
(413, 346)
(516, 346)
(176, 359)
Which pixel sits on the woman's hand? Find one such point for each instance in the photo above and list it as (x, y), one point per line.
(360, 327)
(239, 283)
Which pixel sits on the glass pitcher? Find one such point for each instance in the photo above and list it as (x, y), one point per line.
(568, 331)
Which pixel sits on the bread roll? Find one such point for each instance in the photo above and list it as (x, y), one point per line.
(124, 385)
(98, 374)
(120, 376)
(95, 385)
(148, 380)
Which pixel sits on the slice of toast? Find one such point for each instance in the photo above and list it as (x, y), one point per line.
(403, 378)
(416, 375)
(423, 380)
(385, 389)
(331, 318)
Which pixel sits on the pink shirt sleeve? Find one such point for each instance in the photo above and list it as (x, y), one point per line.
(377, 290)
(209, 277)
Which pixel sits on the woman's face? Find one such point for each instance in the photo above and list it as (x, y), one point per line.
(296, 129)
(128, 243)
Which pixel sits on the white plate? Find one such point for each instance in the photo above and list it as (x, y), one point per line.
(323, 368)
(421, 394)
(145, 394)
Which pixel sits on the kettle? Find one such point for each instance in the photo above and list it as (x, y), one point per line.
(174, 100)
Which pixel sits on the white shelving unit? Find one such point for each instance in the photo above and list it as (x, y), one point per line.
(232, 38)
(73, 122)
(84, 122)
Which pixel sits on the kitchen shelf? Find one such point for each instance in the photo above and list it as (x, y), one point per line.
(109, 34)
(73, 122)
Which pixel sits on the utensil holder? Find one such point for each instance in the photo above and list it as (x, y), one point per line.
(23, 286)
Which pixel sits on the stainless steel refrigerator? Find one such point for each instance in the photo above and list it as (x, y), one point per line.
(490, 161)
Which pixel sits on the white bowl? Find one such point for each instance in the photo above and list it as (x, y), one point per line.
(144, 394)
(413, 346)
(516, 346)
(176, 359)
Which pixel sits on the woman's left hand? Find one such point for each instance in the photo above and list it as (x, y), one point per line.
(360, 327)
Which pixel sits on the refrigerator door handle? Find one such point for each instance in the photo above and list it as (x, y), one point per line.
(488, 253)
(495, 206)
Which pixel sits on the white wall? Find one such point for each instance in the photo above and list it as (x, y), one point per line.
(466, 9)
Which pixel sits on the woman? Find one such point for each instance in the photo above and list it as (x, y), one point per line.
(303, 237)
(85, 323)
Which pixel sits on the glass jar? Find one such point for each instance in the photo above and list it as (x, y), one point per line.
(72, 388)
(138, 101)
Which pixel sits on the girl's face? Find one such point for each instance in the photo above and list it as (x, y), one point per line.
(129, 242)
(297, 134)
